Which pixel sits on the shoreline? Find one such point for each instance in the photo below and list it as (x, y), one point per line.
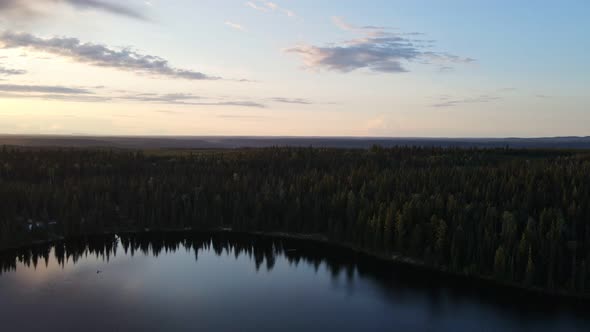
(417, 264)
(395, 259)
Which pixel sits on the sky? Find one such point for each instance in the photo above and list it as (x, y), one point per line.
(379, 68)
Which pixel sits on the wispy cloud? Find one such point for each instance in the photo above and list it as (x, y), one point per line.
(100, 55)
(58, 97)
(38, 7)
(299, 101)
(375, 48)
(168, 112)
(341, 23)
(169, 98)
(235, 26)
(448, 101)
(268, 6)
(239, 116)
(186, 99)
(508, 89)
(96, 94)
(257, 7)
(236, 103)
(109, 7)
(8, 71)
(42, 89)
(49, 92)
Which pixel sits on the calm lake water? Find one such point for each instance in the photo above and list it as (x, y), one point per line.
(224, 282)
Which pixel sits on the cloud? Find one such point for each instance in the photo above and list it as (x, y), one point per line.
(235, 103)
(447, 101)
(107, 7)
(168, 112)
(42, 89)
(509, 89)
(100, 55)
(344, 25)
(185, 99)
(381, 125)
(236, 116)
(375, 49)
(299, 101)
(268, 6)
(60, 97)
(49, 92)
(235, 26)
(39, 7)
(170, 98)
(256, 7)
(8, 71)
(62, 93)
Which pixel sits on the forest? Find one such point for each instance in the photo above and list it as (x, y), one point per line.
(517, 216)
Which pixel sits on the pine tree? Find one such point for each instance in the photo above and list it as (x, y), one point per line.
(530, 269)
(500, 263)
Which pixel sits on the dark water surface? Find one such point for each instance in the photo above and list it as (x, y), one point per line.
(225, 282)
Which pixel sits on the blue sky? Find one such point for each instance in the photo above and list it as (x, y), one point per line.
(295, 67)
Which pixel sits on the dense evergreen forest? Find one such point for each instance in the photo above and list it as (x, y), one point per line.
(518, 216)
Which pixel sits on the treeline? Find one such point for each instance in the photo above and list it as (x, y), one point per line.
(518, 215)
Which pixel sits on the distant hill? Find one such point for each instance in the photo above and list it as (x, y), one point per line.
(226, 142)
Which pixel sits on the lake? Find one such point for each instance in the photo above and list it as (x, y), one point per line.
(231, 282)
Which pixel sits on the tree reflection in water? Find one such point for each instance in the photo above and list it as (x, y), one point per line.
(395, 281)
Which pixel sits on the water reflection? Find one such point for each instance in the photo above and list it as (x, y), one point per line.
(225, 281)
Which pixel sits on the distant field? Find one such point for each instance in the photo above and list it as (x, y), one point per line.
(230, 142)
